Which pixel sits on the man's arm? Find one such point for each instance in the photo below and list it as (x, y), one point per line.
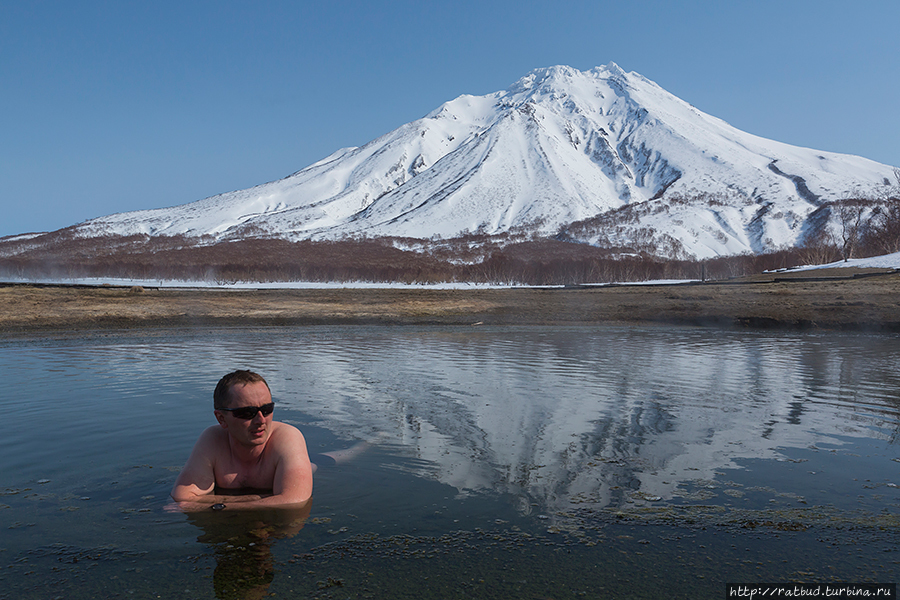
(293, 481)
(194, 487)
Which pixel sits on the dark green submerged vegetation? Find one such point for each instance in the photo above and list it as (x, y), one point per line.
(685, 552)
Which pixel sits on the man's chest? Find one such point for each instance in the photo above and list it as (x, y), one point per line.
(233, 475)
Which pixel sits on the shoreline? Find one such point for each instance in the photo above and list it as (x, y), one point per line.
(833, 299)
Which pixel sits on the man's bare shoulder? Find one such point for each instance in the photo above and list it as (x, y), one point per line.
(211, 441)
(285, 431)
(286, 435)
(214, 434)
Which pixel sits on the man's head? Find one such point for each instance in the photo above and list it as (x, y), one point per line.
(243, 407)
(221, 395)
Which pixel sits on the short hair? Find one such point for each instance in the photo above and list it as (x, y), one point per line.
(239, 377)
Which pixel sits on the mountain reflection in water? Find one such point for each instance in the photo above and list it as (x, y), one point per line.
(596, 416)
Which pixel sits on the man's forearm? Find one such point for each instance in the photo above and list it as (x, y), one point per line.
(280, 500)
(220, 499)
(239, 502)
(209, 499)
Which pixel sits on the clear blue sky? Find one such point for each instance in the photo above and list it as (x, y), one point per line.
(118, 105)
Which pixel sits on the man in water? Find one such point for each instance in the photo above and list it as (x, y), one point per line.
(247, 449)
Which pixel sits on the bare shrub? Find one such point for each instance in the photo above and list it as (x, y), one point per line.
(883, 233)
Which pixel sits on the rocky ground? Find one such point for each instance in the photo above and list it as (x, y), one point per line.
(835, 299)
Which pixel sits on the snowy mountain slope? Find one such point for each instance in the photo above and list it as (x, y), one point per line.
(559, 146)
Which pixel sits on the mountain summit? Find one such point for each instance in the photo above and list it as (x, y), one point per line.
(600, 156)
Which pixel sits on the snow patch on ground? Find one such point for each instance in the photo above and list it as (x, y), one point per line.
(887, 261)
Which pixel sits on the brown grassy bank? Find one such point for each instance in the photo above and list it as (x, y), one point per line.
(837, 299)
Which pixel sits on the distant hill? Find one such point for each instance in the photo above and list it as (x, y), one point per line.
(603, 160)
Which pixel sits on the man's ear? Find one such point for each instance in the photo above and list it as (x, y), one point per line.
(221, 419)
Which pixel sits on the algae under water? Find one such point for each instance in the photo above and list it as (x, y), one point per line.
(504, 462)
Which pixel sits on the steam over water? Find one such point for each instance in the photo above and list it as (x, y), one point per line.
(469, 428)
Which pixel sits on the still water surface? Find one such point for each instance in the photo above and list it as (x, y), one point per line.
(504, 462)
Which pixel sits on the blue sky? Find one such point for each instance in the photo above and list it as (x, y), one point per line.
(114, 106)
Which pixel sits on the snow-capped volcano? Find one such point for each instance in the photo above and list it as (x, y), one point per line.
(559, 146)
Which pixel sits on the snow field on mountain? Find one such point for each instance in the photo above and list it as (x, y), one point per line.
(558, 147)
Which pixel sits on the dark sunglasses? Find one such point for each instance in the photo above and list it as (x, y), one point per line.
(249, 412)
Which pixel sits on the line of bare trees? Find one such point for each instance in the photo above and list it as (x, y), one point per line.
(533, 262)
(855, 227)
